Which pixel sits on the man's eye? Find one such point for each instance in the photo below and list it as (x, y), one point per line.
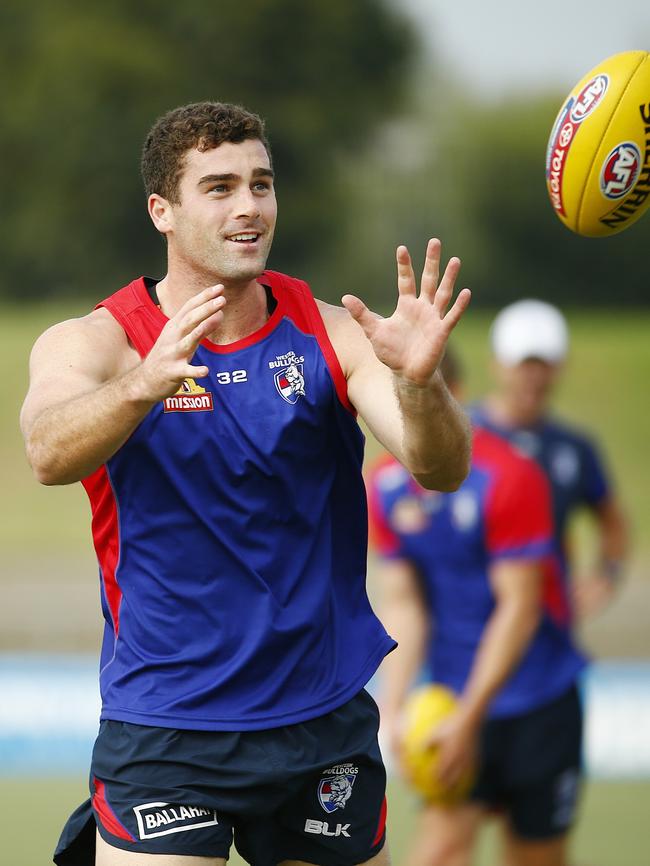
(262, 185)
(220, 187)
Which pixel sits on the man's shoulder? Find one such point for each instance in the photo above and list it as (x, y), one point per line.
(505, 462)
(490, 448)
(95, 336)
(98, 324)
(562, 431)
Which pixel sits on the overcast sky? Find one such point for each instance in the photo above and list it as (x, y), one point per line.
(512, 45)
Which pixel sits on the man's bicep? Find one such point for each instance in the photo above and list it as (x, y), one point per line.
(400, 584)
(517, 580)
(69, 359)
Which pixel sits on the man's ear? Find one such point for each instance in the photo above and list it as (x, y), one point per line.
(160, 212)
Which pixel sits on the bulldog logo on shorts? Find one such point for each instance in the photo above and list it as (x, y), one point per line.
(335, 789)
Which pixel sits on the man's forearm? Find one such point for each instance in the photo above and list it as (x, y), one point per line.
(505, 639)
(407, 625)
(436, 435)
(72, 439)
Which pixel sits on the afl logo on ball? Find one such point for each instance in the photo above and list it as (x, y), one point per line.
(589, 98)
(620, 170)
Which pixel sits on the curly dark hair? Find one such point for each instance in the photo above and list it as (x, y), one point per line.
(201, 125)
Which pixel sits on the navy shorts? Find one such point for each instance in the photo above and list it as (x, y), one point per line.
(531, 767)
(313, 791)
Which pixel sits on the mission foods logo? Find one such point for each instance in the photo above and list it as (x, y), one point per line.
(190, 397)
(568, 121)
(161, 819)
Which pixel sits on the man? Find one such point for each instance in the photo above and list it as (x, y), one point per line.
(211, 418)
(462, 577)
(530, 342)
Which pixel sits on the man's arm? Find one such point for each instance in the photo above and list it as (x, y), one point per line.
(89, 390)
(404, 616)
(391, 370)
(517, 588)
(593, 592)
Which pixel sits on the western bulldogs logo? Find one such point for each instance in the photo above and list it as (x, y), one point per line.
(620, 170)
(289, 377)
(335, 790)
(290, 383)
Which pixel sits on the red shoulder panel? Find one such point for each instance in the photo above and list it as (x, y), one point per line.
(137, 314)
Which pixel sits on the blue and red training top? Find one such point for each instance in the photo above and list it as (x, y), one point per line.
(231, 533)
(575, 471)
(501, 511)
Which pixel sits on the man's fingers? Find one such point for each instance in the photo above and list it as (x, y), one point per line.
(454, 315)
(431, 270)
(405, 276)
(197, 300)
(190, 343)
(360, 313)
(447, 283)
(198, 315)
(196, 372)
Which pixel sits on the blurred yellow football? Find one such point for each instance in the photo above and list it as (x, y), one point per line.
(425, 708)
(598, 155)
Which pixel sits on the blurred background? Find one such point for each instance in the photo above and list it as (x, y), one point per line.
(390, 122)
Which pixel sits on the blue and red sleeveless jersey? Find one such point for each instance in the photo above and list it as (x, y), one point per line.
(576, 474)
(231, 533)
(501, 511)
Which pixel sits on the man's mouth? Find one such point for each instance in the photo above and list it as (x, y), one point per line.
(244, 237)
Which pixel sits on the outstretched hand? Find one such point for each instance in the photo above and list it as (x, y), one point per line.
(412, 341)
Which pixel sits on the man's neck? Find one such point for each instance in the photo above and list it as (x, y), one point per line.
(507, 412)
(246, 308)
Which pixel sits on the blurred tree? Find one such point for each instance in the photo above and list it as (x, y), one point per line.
(84, 82)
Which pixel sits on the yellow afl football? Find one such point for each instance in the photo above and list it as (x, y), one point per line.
(598, 155)
(425, 708)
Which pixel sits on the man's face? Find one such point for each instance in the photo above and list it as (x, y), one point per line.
(529, 385)
(223, 226)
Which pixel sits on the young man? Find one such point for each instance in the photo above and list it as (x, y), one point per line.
(211, 418)
(462, 578)
(530, 341)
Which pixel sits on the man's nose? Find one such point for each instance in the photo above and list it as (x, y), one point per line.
(246, 205)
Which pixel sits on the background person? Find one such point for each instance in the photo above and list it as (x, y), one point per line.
(462, 578)
(211, 417)
(530, 342)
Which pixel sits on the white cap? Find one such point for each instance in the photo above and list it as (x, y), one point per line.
(529, 329)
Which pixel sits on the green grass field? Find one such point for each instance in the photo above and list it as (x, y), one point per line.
(613, 830)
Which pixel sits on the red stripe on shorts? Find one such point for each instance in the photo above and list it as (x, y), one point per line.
(381, 828)
(106, 814)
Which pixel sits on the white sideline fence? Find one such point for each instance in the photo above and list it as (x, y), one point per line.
(49, 710)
